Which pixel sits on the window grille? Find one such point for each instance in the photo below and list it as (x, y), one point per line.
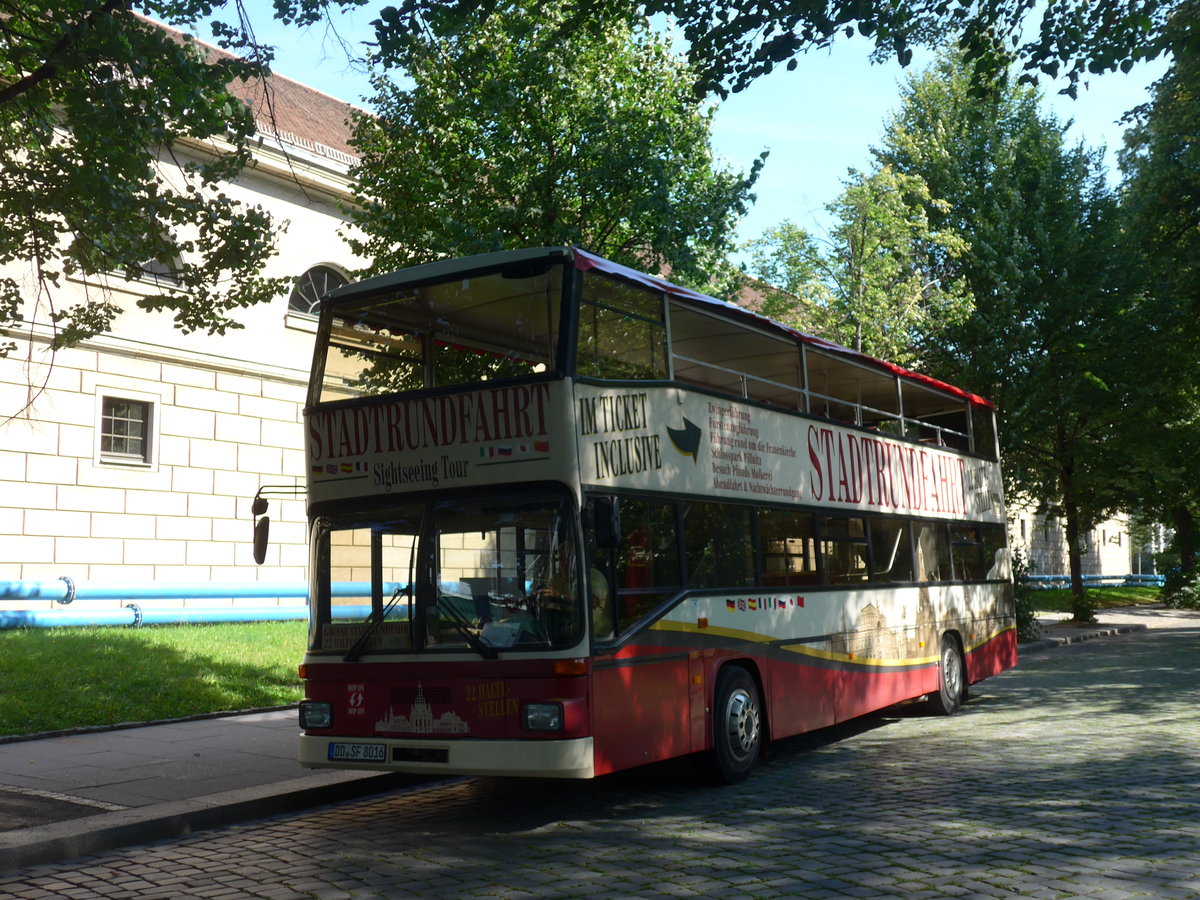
(125, 430)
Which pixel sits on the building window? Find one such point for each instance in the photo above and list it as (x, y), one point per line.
(311, 287)
(162, 273)
(125, 430)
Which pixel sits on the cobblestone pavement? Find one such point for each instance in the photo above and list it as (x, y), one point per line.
(1075, 775)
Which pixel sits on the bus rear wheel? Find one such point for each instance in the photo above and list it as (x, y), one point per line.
(952, 681)
(737, 725)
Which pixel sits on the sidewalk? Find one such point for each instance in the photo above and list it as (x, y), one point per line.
(1056, 632)
(77, 794)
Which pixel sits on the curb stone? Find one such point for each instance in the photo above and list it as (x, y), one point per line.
(89, 835)
(1084, 634)
(122, 726)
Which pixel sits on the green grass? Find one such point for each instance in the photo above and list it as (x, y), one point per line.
(1059, 599)
(71, 677)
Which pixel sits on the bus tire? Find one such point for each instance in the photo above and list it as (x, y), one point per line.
(952, 679)
(737, 725)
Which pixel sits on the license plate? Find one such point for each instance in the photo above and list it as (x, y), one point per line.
(339, 752)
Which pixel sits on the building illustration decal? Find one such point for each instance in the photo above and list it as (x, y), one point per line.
(420, 719)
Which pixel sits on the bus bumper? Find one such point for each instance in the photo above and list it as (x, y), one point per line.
(528, 759)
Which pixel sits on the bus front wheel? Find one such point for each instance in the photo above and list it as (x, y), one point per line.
(737, 725)
(952, 680)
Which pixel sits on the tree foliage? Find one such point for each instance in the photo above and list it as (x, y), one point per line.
(1046, 273)
(788, 264)
(1161, 205)
(94, 101)
(881, 282)
(514, 133)
(732, 42)
(100, 110)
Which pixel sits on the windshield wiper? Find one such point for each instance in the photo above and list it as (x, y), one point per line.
(355, 652)
(460, 624)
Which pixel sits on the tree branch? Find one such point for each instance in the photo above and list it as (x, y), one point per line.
(49, 68)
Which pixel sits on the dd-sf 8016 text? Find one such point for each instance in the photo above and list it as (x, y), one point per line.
(567, 518)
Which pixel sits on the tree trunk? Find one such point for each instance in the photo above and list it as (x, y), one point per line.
(1185, 537)
(1082, 610)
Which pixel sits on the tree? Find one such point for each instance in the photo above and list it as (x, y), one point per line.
(732, 42)
(1045, 270)
(880, 283)
(91, 94)
(789, 267)
(95, 104)
(1161, 203)
(515, 134)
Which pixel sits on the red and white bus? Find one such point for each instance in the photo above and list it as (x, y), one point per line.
(598, 520)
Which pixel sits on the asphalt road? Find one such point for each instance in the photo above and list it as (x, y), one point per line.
(1075, 775)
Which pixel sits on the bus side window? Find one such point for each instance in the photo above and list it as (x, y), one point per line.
(891, 550)
(719, 548)
(933, 551)
(647, 560)
(603, 531)
(843, 549)
(788, 546)
(995, 553)
(622, 333)
(966, 549)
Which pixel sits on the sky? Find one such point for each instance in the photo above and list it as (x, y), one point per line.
(817, 121)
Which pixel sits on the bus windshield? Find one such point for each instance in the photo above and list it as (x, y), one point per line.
(501, 324)
(470, 574)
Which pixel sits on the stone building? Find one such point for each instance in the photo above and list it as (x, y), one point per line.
(134, 456)
(1040, 535)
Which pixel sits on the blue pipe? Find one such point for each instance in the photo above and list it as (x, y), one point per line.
(134, 616)
(65, 590)
(1048, 581)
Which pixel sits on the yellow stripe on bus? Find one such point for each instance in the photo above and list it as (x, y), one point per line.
(693, 628)
(815, 653)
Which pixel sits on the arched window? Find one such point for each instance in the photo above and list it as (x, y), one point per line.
(164, 273)
(311, 287)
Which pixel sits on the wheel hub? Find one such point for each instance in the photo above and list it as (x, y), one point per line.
(742, 723)
(952, 673)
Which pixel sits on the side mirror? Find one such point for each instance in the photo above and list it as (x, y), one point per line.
(606, 522)
(262, 527)
(261, 530)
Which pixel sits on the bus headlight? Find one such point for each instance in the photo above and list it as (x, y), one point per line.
(543, 716)
(316, 715)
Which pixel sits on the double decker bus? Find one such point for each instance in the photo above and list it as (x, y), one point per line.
(567, 518)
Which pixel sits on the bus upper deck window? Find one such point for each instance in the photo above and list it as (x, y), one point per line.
(622, 333)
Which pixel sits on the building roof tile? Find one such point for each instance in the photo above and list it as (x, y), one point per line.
(293, 112)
